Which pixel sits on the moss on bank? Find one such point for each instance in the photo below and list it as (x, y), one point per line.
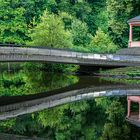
(129, 75)
(129, 72)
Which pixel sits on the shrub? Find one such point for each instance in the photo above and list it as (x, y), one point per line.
(102, 43)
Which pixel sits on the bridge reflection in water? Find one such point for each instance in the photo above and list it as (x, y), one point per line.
(29, 104)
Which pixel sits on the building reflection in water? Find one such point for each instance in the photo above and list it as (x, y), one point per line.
(133, 117)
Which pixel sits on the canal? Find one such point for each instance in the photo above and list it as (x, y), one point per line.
(49, 106)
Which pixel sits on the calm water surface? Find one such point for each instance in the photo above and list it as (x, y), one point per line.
(41, 105)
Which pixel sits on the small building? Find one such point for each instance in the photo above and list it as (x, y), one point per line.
(133, 22)
(133, 117)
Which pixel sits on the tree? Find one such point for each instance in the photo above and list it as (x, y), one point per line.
(25, 83)
(119, 12)
(116, 128)
(13, 28)
(50, 32)
(35, 8)
(80, 34)
(136, 7)
(102, 43)
(102, 20)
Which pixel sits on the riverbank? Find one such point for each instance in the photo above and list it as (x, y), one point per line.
(129, 75)
(126, 72)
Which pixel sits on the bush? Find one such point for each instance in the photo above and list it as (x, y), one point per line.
(102, 43)
(51, 32)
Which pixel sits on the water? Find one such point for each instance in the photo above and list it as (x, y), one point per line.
(40, 105)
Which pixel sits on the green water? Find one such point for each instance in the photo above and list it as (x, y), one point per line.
(102, 118)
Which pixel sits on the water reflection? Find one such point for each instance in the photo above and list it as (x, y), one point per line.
(55, 107)
(24, 82)
(100, 118)
(18, 107)
(132, 115)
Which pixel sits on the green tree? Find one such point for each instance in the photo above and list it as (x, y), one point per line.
(119, 12)
(67, 19)
(102, 43)
(50, 32)
(136, 7)
(25, 82)
(115, 128)
(13, 28)
(102, 20)
(35, 8)
(80, 34)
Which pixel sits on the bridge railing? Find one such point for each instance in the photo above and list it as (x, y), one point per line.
(46, 51)
(46, 47)
(60, 52)
(13, 45)
(39, 47)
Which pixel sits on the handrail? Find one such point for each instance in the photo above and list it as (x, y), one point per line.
(43, 47)
(38, 47)
(12, 45)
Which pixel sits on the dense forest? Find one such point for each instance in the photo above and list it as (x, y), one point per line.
(83, 25)
(98, 26)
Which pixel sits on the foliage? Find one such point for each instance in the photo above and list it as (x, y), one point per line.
(58, 68)
(102, 19)
(116, 113)
(67, 19)
(102, 43)
(109, 15)
(80, 34)
(119, 12)
(50, 32)
(13, 28)
(80, 120)
(83, 25)
(116, 125)
(131, 74)
(25, 82)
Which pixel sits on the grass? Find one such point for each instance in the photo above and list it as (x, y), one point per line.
(128, 75)
(129, 72)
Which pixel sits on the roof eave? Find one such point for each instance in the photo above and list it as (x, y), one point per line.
(135, 19)
(133, 22)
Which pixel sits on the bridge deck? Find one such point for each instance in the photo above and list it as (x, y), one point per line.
(18, 54)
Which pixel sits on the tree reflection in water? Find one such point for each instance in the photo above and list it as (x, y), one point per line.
(100, 118)
(25, 82)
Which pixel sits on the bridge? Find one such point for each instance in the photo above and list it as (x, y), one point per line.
(15, 53)
(15, 105)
